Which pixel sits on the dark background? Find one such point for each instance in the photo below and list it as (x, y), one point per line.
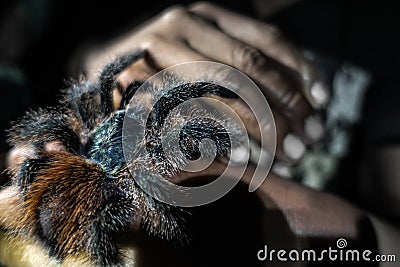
(38, 39)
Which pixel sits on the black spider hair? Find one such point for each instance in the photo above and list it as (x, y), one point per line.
(77, 198)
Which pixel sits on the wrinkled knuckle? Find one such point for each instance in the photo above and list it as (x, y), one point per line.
(249, 59)
(294, 104)
(202, 6)
(287, 97)
(173, 14)
(151, 41)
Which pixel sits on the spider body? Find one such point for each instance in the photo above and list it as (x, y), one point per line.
(76, 191)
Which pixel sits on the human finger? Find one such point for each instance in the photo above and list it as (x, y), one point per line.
(270, 41)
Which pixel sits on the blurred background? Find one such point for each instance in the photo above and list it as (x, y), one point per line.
(41, 40)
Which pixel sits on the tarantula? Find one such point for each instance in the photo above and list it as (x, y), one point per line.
(76, 193)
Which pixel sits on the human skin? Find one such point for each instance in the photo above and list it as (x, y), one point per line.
(179, 34)
(204, 31)
(310, 214)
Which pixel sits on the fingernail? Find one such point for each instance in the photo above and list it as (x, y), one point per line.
(282, 169)
(313, 128)
(293, 147)
(240, 155)
(319, 93)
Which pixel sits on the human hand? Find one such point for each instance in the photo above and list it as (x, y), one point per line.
(206, 32)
